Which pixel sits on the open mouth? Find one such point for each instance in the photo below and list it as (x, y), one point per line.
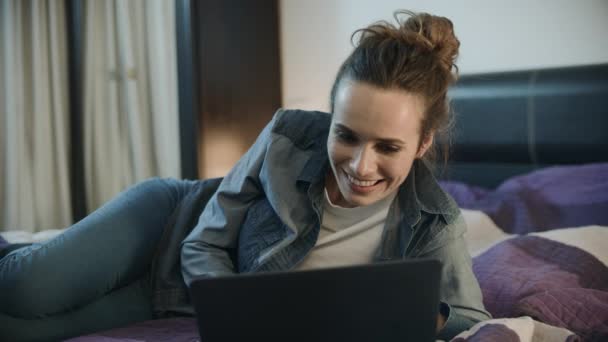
(359, 185)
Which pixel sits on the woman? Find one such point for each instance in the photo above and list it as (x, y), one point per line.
(315, 190)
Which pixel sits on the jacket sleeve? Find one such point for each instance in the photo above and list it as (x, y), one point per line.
(460, 294)
(206, 250)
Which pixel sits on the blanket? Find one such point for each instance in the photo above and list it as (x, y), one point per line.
(515, 330)
(552, 282)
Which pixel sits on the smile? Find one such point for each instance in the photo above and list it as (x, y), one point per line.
(361, 183)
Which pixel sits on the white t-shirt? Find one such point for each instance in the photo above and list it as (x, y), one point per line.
(348, 236)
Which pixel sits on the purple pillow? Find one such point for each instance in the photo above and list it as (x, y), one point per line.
(464, 194)
(549, 198)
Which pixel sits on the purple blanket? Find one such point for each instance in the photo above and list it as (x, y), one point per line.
(551, 282)
(173, 329)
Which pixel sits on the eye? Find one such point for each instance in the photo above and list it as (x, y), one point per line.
(387, 148)
(345, 137)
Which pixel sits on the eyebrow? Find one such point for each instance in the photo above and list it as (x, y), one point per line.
(383, 140)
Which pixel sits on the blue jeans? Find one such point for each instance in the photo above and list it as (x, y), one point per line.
(92, 277)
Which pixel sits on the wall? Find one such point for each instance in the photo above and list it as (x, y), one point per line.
(495, 36)
(239, 83)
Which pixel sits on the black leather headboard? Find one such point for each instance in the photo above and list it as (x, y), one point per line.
(514, 122)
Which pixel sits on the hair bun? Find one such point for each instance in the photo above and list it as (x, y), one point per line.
(423, 33)
(433, 33)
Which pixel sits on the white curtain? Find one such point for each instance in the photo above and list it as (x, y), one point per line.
(34, 134)
(130, 105)
(130, 95)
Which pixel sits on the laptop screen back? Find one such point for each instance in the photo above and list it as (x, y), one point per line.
(389, 301)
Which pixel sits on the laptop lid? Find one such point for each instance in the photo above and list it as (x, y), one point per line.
(389, 301)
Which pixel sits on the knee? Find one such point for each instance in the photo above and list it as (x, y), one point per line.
(154, 184)
(169, 189)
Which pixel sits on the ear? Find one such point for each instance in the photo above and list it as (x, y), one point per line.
(426, 144)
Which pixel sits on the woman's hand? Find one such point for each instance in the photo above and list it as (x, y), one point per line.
(440, 322)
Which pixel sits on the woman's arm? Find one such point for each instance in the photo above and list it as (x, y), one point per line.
(462, 304)
(206, 250)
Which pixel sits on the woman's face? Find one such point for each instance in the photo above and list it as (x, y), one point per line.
(373, 141)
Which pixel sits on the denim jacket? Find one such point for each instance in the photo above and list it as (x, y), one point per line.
(266, 213)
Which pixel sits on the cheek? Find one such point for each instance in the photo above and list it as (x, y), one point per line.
(338, 153)
(398, 170)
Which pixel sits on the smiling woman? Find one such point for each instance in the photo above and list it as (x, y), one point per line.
(352, 187)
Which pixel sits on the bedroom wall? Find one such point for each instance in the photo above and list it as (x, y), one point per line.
(495, 36)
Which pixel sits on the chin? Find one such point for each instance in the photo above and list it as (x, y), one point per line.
(361, 201)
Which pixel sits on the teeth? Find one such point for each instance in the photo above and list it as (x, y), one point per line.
(360, 182)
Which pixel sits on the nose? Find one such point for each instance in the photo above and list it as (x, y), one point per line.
(363, 162)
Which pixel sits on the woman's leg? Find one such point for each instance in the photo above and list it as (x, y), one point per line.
(121, 307)
(107, 250)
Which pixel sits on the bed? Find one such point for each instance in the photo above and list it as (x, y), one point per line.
(529, 169)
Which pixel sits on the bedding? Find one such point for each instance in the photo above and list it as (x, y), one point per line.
(553, 197)
(538, 243)
(554, 283)
(180, 329)
(21, 236)
(515, 330)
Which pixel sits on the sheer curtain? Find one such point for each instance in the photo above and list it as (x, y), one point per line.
(34, 135)
(130, 95)
(130, 113)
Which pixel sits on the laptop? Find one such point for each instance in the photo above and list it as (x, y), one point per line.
(388, 301)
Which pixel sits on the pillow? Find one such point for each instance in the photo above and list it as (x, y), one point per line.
(464, 194)
(549, 198)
